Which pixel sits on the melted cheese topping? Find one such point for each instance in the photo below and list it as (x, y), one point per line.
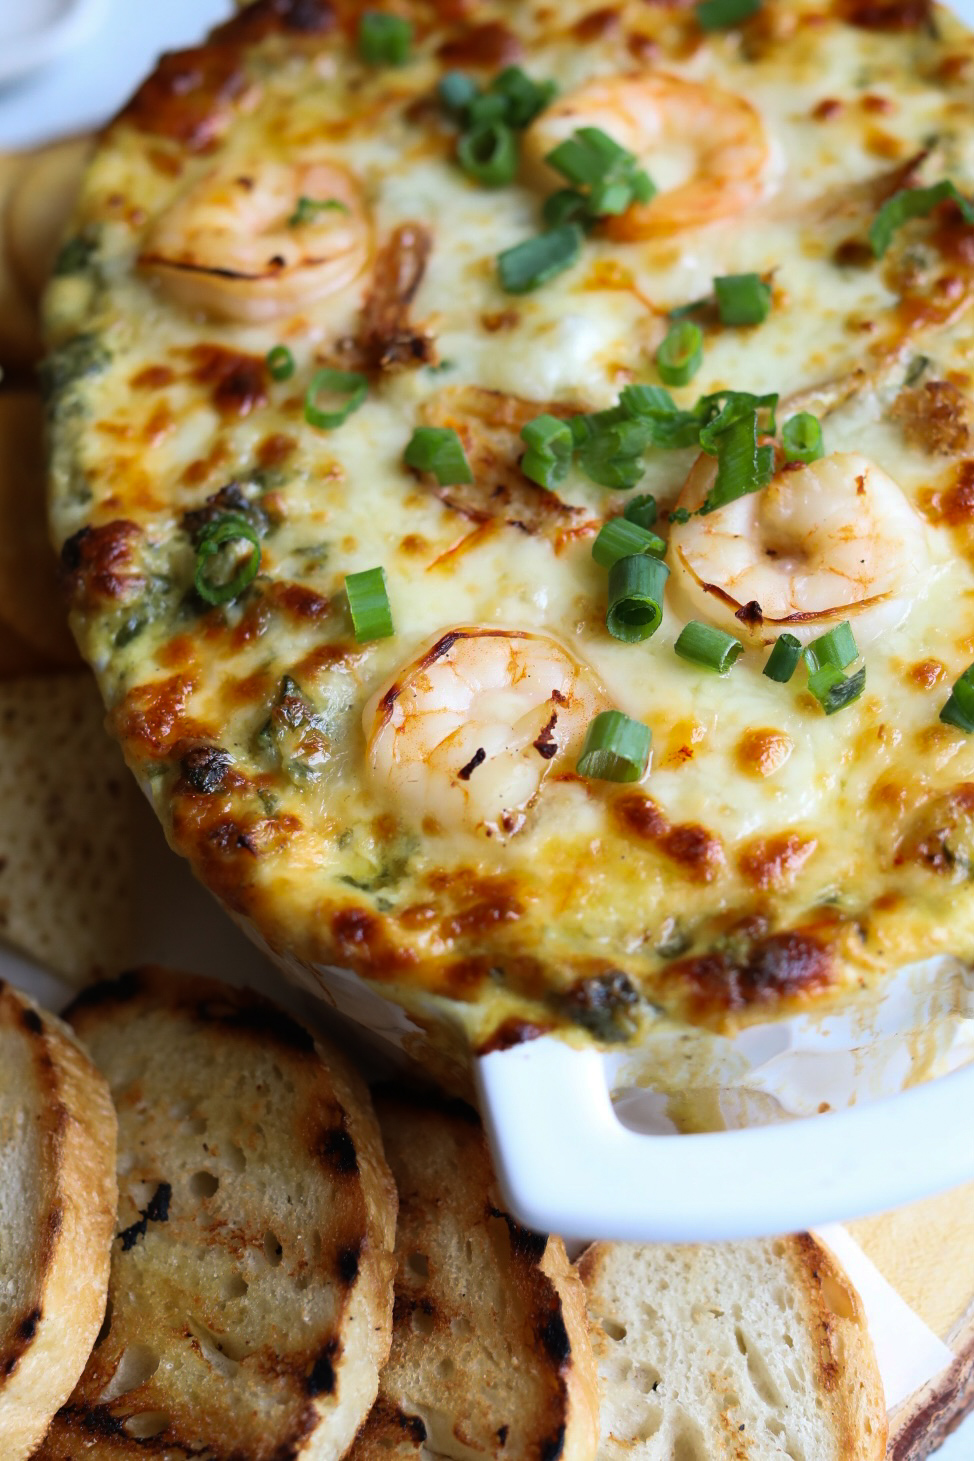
(772, 853)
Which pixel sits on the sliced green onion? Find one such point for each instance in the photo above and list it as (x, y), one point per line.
(528, 265)
(784, 659)
(550, 446)
(641, 510)
(836, 649)
(959, 710)
(488, 153)
(489, 106)
(610, 453)
(368, 602)
(722, 14)
(704, 645)
(801, 437)
(693, 307)
(620, 538)
(456, 91)
(232, 528)
(731, 406)
(523, 96)
(742, 465)
(636, 587)
(280, 363)
(568, 205)
(913, 203)
(438, 449)
(647, 401)
(742, 299)
(384, 40)
(591, 159)
(309, 208)
(616, 748)
(347, 383)
(680, 355)
(833, 690)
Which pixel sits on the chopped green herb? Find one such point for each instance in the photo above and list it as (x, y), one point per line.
(722, 409)
(783, 659)
(309, 208)
(711, 648)
(488, 153)
(368, 602)
(833, 690)
(742, 465)
(913, 203)
(549, 450)
(456, 91)
(959, 710)
(534, 262)
(742, 299)
(616, 748)
(680, 355)
(801, 437)
(231, 528)
(341, 383)
(438, 449)
(620, 538)
(722, 14)
(591, 160)
(280, 363)
(384, 40)
(837, 649)
(642, 510)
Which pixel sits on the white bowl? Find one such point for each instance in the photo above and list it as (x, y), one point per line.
(35, 32)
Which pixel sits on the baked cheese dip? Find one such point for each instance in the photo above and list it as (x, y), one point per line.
(514, 472)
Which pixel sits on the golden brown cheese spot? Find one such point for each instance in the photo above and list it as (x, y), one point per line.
(596, 23)
(762, 752)
(935, 417)
(775, 862)
(827, 109)
(681, 744)
(152, 378)
(891, 15)
(275, 449)
(926, 673)
(955, 505)
(762, 971)
(98, 564)
(191, 95)
(697, 851)
(486, 46)
(154, 718)
(510, 1033)
(497, 322)
(941, 834)
(238, 383)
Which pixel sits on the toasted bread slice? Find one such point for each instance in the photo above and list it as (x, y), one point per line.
(57, 1217)
(251, 1284)
(490, 1352)
(733, 1352)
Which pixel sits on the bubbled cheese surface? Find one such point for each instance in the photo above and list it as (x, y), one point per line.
(772, 854)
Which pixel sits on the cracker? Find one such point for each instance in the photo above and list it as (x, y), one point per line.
(67, 831)
(38, 209)
(31, 602)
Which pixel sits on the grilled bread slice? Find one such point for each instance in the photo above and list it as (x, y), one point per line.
(490, 1353)
(57, 1217)
(735, 1352)
(251, 1283)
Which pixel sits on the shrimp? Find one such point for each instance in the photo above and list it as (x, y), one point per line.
(468, 731)
(254, 244)
(706, 149)
(833, 540)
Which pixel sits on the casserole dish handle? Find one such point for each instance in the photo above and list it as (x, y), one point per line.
(567, 1165)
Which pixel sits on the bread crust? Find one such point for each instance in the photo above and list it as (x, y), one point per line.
(294, 1373)
(491, 1350)
(44, 1349)
(846, 1382)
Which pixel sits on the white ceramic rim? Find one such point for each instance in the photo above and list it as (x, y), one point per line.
(20, 56)
(567, 1165)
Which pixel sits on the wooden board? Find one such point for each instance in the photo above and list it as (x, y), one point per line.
(926, 1251)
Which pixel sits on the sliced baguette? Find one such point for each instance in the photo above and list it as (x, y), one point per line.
(735, 1352)
(251, 1283)
(490, 1354)
(57, 1217)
